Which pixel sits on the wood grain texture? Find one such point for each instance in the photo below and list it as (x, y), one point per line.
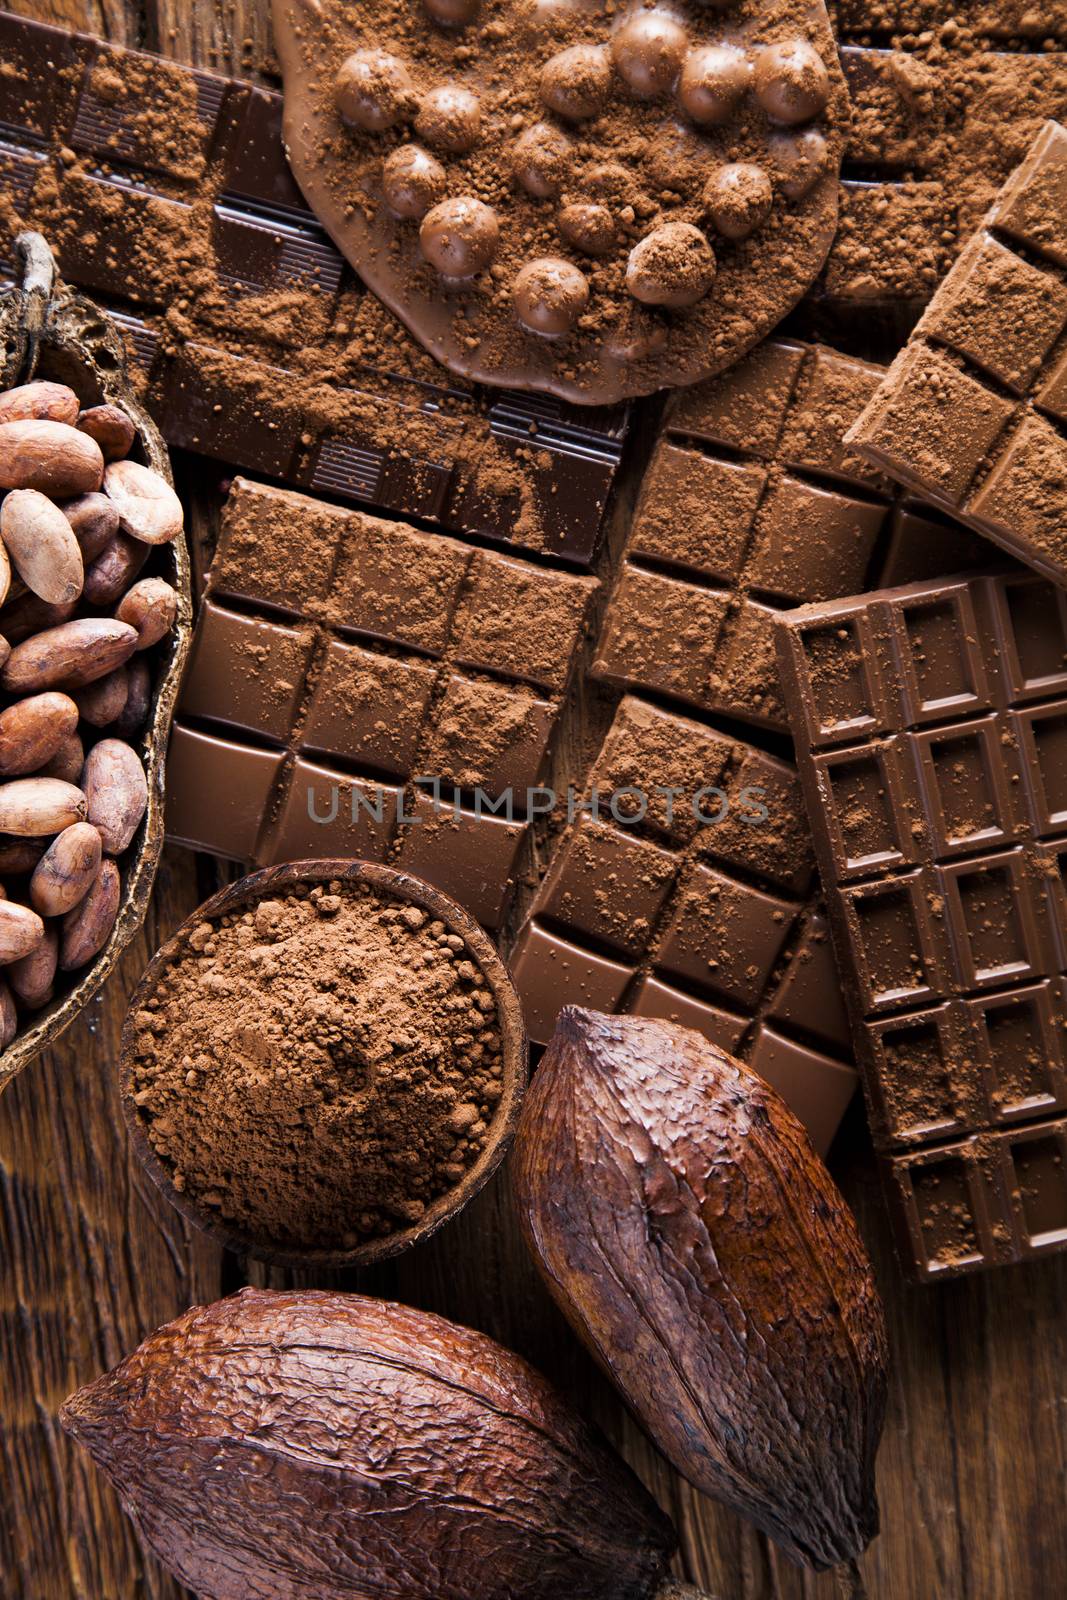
(973, 1467)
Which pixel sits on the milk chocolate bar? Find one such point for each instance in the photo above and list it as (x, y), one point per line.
(337, 659)
(166, 195)
(931, 725)
(752, 504)
(682, 891)
(973, 412)
(935, 133)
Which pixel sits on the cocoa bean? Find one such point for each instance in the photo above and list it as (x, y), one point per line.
(32, 730)
(52, 402)
(429, 1461)
(116, 792)
(114, 569)
(88, 927)
(95, 522)
(102, 702)
(34, 807)
(64, 874)
(21, 931)
(151, 607)
(50, 456)
(147, 505)
(68, 760)
(138, 700)
(687, 1229)
(73, 654)
(111, 428)
(20, 855)
(29, 614)
(42, 546)
(31, 977)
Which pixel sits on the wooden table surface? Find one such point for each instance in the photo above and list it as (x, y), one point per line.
(973, 1465)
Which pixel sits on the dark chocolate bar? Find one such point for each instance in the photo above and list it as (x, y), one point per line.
(751, 504)
(682, 891)
(338, 658)
(973, 412)
(178, 212)
(931, 724)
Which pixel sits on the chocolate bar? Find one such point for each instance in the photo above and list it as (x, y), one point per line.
(338, 658)
(973, 412)
(935, 132)
(681, 891)
(751, 504)
(931, 725)
(172, 204)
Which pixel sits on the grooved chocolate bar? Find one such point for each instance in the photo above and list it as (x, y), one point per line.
(973, 412)
(750, 504)
(338, 658)
(937, 128)
(931, 724)
(166, 194)
(681, 891)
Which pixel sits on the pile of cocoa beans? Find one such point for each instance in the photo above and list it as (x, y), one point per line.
(78, 521)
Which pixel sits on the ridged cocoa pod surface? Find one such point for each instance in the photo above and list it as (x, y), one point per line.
(699, 1247)
(314, 1446)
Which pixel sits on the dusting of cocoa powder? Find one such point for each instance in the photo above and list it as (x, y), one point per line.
(318, 1071)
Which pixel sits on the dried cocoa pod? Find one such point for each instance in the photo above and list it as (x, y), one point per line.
(147, 506)
(115, 569)
(50, 456)
(69, 656)
(111, 428)
(31, 977)
(430, 1463)
(67, 870)
(699, 1247)
(32, 730)
(95, 522)
(52, 401)
(87, 928)
(42, 546)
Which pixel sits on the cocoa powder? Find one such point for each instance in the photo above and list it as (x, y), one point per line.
(318, 1070)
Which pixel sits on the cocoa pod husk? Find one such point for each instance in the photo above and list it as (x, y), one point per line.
(327, 1445)
(687, 1229)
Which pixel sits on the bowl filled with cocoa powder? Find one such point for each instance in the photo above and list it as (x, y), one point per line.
(324, 1064)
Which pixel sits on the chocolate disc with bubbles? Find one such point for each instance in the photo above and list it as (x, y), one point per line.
(594, 201)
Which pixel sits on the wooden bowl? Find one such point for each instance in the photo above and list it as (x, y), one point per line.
(273, 881)
(48, 332)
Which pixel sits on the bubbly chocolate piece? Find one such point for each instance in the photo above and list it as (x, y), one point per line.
(739, 199)
(617, 119)
(373, 90)
(450, 119)
(791, 82)
(800, 161)
(647, 51)
(674, 266)
(714, 80)
(542, 158)
(973, 412)
(550, 295)
(362, 654)
(283, 365)
(576, 83)
(589, 227)
(459, 237)
(931, 725)
(412, 181)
